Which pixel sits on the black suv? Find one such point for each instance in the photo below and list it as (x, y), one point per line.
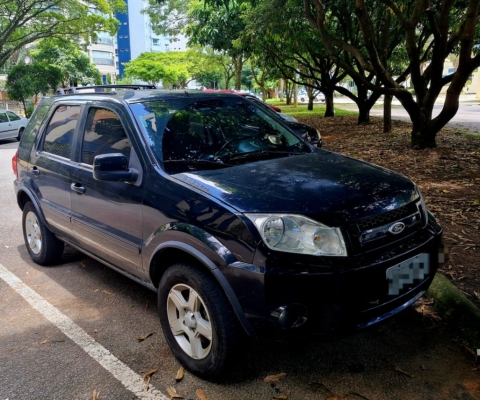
(224, 211)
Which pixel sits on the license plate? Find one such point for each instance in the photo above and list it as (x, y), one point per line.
(406, 273)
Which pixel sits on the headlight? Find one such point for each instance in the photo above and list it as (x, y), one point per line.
(298, 234)
(318, 134)
(423, 206)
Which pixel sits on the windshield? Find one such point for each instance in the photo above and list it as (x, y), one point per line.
(214, 133)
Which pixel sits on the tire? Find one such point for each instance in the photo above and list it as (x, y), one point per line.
(42, 245)
(205, 351)
(20, 133)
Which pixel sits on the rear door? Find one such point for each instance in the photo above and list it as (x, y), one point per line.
(51, 167)
(107, 216)
(16, 122)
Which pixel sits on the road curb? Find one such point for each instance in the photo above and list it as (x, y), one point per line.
(455, 309)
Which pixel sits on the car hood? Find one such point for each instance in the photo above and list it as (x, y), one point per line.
(324, 185)
(298, 126)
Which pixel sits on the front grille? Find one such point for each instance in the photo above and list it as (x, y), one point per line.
(370, 236)
(385, 218)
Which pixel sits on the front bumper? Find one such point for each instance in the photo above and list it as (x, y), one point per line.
(332, 298)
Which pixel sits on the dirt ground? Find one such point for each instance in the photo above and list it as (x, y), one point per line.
(448, 176)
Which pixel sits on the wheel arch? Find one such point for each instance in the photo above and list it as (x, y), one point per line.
(171, 252)
(23, 197)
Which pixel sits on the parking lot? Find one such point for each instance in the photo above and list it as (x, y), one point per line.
(79, 327)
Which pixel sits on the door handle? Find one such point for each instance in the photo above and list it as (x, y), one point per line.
(77, 187)
(35, 171)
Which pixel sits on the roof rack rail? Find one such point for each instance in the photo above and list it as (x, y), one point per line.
(101, 88)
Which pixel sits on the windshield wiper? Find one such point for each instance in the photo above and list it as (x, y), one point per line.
(261, 154)
(198, 162)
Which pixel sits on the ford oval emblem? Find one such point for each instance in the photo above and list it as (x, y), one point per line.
(396, 228)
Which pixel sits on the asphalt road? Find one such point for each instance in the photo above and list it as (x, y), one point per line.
(72, 328)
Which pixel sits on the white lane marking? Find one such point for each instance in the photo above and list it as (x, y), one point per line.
(127, 377)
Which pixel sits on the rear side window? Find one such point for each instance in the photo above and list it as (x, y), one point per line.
(60, 130)
(104, 133)
(3, 117)
(33, 126)
(13, 116)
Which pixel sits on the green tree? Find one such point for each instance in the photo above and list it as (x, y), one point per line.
(219, 26)
(174, 68)
(24, 22)
(168, 17)
(74, 65)
(27, 80)
(430, 32)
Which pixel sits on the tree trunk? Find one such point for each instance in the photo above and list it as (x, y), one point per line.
(423, 137)
(310, 103)
(25, 108)
(387, 113)
(288, 91)
(238, 72)
(363, 112)
(329, 107)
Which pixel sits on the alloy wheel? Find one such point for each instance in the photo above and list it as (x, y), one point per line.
(33, 233)
(189, 321)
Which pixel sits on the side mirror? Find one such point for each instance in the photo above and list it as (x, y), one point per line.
(113, 167)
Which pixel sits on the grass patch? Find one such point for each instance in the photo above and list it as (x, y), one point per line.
(301, 109)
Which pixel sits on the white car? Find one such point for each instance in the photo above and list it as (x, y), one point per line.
(320, 97)
(11, 125)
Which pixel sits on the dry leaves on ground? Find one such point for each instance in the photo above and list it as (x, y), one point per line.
(180, 374)
(283, 396)
(275, 378)
(147, 377)
(172, 392)
(143, 337)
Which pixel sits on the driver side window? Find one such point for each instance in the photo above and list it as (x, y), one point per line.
(104, 133)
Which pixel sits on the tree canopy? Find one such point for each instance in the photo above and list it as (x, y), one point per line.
(75, 66)
(24, 22)
(27, 80)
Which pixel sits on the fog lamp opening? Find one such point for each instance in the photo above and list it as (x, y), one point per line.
(291, 316)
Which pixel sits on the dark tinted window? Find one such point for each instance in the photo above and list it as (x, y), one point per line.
(60, 129)
(211, 130)
(3, 117)
(12, 116)
(104, 133)
(33, 126)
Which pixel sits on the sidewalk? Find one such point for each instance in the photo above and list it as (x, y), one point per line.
(464, 99)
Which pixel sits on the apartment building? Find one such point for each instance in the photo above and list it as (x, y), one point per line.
(102, 54)
(136, 36)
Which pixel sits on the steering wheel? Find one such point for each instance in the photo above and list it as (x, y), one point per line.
(229, 142)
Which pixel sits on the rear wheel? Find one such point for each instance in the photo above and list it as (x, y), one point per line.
(197, 320)
(42, 245)
(20, 133)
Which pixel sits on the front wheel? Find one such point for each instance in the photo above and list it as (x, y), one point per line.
(197, 320)
(42, 245)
